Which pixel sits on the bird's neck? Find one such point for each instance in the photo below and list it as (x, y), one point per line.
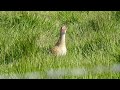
(62, 39)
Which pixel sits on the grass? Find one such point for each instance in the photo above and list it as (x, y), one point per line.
(92, 39)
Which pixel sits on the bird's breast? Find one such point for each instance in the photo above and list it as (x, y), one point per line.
(62, 51)
(59, 51)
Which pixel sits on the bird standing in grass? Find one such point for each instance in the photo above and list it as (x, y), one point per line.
(60, 47)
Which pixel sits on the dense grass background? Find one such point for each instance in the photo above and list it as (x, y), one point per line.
(92, 39)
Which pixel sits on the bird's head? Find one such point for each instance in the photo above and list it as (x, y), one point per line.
(63, 29)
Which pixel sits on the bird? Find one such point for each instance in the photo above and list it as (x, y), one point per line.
(60, 47)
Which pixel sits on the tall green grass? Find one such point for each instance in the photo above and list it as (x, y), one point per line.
(92, 39)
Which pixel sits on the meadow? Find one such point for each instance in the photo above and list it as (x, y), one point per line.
(92, 40)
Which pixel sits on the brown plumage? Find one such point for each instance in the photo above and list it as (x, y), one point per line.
(60, 46)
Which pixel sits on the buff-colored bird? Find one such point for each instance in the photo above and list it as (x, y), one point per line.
(60, 47)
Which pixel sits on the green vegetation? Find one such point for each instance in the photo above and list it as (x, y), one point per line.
(92, 39)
